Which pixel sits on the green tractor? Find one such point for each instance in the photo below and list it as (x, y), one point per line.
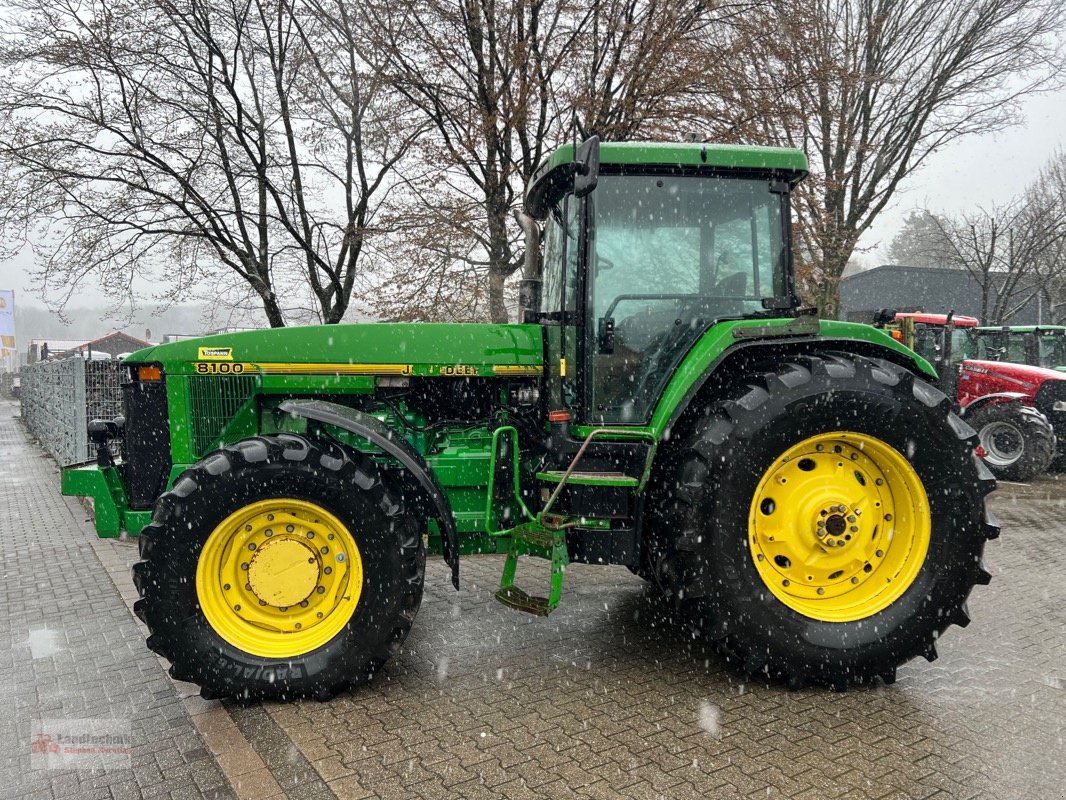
(798, 487)
(1035, 345)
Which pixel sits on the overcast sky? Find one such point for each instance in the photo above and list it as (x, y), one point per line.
(977, 170)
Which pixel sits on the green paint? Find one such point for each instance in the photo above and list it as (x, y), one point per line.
(430, 349)
(104, 486)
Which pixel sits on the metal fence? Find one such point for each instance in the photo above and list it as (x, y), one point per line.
(60, 397)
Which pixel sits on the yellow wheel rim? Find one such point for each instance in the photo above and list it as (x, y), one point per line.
(839, 526)
(279, 578)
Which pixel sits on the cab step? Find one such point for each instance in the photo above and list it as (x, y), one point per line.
(614, 479)
(534, 539)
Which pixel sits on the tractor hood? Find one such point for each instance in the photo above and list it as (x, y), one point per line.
(430, 349)
(1024, 378)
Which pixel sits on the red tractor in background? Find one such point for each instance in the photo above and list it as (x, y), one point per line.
(1011, 406)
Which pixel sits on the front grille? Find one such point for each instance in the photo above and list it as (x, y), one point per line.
(214, 400)
(146, 442)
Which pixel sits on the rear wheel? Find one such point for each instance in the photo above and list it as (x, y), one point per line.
(278, 568)
(1018, 441)
(824, 522)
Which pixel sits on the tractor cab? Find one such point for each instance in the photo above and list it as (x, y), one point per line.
(944, 340)
(674, 239)
(1035, 345)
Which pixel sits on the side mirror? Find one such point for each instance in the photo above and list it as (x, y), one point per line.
(586, 166)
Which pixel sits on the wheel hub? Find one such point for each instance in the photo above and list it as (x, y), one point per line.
(839, 526)
(283, 572)
(1003, 443)
(278, 578)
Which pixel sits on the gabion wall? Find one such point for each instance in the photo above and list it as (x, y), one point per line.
(60, 397)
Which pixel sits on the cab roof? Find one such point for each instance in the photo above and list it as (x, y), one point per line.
(555, 172)
(958, 320)
(689, 154)
(1045, 329)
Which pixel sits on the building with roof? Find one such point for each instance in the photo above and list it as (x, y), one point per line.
(936, 290)
(109, 346)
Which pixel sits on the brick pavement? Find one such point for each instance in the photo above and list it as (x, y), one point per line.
(70, 649)
(607, 699)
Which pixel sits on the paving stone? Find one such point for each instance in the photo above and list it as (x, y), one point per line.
(52, 580)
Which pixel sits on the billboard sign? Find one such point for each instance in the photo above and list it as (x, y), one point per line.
(7, 323)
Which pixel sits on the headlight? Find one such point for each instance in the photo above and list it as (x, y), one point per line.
(1060, 405)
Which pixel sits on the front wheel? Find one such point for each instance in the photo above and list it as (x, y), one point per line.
(279, 568)
(824, 521)
(1018, 441)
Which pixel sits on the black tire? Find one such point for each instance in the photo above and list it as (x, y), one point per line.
(343, 482)
(1019, 441)
(703, 494)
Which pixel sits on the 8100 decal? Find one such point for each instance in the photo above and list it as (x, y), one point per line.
(223, 368)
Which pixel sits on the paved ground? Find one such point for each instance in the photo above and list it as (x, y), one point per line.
(604, 699)
(70, 650)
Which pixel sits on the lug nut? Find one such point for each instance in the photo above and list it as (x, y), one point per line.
(289, 528)
(340, 557)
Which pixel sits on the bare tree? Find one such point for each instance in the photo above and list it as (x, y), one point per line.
(482, 73)
(919, 242)
(1048, 193)
(1002, 247)
(870, 89)
(653, 67)
(242, 145)
(501, 82)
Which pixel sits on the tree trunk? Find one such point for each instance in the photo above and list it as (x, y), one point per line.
(273, 311)
(497, 304)
(499, 252)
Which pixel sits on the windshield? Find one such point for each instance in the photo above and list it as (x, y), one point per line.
(1052, 350)
(669, 255)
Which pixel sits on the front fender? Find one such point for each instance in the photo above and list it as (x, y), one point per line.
(381, 435)
(997, 398)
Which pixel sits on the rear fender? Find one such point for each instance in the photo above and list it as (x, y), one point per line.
(380, 435)
(713, 375)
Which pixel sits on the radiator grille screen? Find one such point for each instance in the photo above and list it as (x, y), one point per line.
(215, 399)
